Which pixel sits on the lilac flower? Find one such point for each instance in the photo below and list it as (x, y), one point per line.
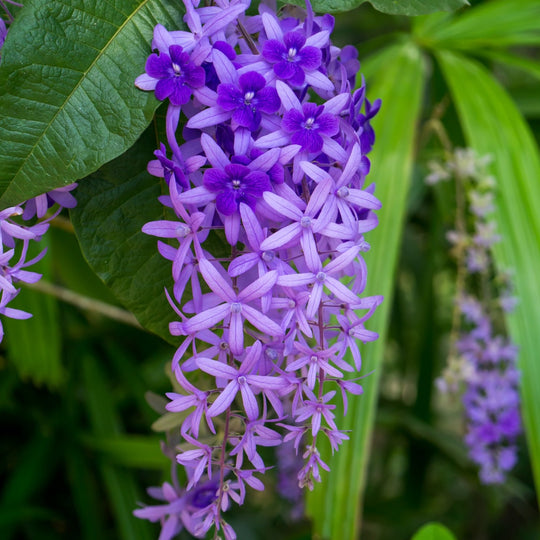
(171, 75)
(234, 185)
(291, 58)
(241, 380)
(235, 307)
(249, 101)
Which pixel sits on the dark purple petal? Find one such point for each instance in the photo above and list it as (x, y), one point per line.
(158, 67)
(251, 82)
(292, 121)
(273, 51)
(228, 51)
(181, 93)
(310, 58)
(294, 40)
(178, 56)
(226, 203)
(268, 100)
(312, 110)
(285, 70)
(215, 180)
(308, 139)
(229, 97)
(235, 171)
(164, 88)
(327, 124)
(248, 117)
(258, 183)
(298, 77)
(195, 76)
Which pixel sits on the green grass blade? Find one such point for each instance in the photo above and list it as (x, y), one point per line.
(494, 24)
(119, 483)
(493, 125)
(130, 451)
(335, 505)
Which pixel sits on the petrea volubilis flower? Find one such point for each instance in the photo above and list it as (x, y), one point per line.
(273, 327)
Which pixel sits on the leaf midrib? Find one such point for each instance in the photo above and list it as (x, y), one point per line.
(75, 89)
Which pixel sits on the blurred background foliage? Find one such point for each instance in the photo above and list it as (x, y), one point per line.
(77, 453)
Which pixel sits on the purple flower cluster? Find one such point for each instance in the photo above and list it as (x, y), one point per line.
(491, 399)
(484, 363)
(272, 162)
(14, 242)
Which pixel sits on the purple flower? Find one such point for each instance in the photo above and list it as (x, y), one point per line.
(291, 58)
(241, 380)
(249, 101)
(234, 185)
(172, 76)
(306, 127)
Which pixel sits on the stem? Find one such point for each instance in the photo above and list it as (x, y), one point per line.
(460, 253)
(247, 37)
(84, 302)
(222, 469)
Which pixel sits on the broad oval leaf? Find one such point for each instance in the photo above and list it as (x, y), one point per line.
(394, 7)
(433, 531)
(68, 102)
(113, 205)
(417, 7)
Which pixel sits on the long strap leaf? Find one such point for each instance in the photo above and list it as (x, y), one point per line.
(335, 506)
(493, 125)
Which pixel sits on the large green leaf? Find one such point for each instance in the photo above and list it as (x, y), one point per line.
(335, 505)
(394, 7)
(493, 125)
(113, 205)
(433, 531)
(494, 24)
(67, 99)
(417, 7)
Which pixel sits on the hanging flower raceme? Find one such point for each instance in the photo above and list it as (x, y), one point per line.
(267, 183)
(483, 363)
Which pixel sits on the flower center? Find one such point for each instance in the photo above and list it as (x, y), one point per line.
(236, 307)
(236, 184)
(177, 69)
(343, 192)
(321, 276)
(309, 122)
(313, 359)
(268, 256)
(242, 380)
(182, 231)
(291, 54)
(306, 222)
(248, 96)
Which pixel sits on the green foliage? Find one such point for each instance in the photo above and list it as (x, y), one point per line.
(334, 504)
(68, 103)
(433, 531)
(394, 7)
(120, 485)
(113, 205)
(495, 24)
